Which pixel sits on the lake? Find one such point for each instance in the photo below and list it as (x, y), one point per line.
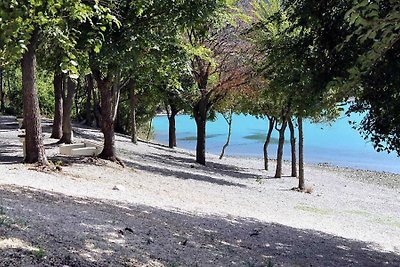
(337, 144)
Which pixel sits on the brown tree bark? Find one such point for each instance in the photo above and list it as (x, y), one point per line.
(301, 154)
(2, 93)
(67, 111)
(107, 126)
(279, 159)
(271, 125)
(35, 152)
(133, 105)
(97, 108)
(90, 88)
(200, 115)
(293, 148)
(56, 132)
(172, 125)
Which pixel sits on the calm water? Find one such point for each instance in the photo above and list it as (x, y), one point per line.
(338, 144)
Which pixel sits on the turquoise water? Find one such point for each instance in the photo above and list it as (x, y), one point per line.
(337, 144)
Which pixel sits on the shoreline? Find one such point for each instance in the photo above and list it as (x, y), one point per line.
(310, 163)
(380, 178)
(338, 145)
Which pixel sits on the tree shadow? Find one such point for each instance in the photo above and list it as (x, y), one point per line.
(88, 134)
(88, 232)
(211, 167)
(8, 123)
(7, 153)
(162, 170)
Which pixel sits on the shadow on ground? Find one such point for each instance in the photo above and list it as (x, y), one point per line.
(87, 232)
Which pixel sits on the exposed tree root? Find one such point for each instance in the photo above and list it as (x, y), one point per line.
(113, 159)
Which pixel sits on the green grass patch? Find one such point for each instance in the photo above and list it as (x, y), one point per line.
(39, 253)
(359, 212)
(313, 210)
(387, 221)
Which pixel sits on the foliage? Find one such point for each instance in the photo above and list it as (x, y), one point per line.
(375, 73)
(19, 19)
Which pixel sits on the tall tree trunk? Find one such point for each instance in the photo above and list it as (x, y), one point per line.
(35, 152)
(149, 131)
(107, 127)
(97, 108)
(200, 115)
(133, 103)
(228, 119)
(301, 154)
(75, 100)
(172, 126)
(67, 111)
(279, 158)
(271, 125)
(56, 132)
(90, 88)
(2, 93)
(293, 148)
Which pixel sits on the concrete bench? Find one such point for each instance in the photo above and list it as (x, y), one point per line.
(21, 137)
(98, 147)
(85, 148)
(66, 149)
(84, 151)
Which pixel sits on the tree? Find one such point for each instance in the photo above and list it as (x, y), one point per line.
(374, 75)
(68, 98)
(217, 65)
(58, 106)
(301, 59)
(231, 104)
(145, 27)
(33, 130)
(20, 30)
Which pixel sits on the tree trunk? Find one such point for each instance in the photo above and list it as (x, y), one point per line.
(279, 158)
(67, 111)
(96, 108)
(107, 125)
(271, 125)
(293, 148)
(133, 101)
(301, 154)
(228, 119)
(90, 88)
(35, 152)
(149, 131)
(200, 115)
(172, 126)
(2, 93)
(58, 106)
(75, 100)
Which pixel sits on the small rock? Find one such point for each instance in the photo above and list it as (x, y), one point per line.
(119, 188)
(128, 229)
(255, 232)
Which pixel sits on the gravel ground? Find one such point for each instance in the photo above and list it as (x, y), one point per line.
(164, 210)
